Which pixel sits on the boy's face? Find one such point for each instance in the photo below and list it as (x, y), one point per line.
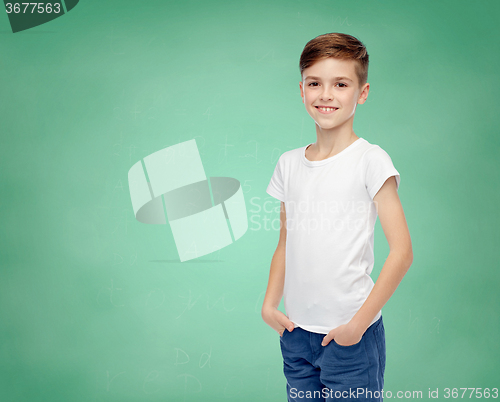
(330, 91)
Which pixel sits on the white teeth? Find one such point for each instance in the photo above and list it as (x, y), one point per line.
(327, 109)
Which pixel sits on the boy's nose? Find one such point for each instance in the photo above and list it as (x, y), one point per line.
(326, 95)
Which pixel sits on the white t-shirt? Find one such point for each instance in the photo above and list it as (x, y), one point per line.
(330, 225)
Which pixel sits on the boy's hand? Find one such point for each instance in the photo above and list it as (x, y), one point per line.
(344, 335)
(276, 320)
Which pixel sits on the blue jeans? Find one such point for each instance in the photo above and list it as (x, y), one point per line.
(334, 372)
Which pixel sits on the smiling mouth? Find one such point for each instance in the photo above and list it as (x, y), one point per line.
(326, 108)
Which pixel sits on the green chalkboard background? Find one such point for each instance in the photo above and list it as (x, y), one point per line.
(95, 306)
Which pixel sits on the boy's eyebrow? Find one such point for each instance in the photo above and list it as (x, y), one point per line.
(335, 78)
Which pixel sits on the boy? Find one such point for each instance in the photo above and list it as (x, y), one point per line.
(331, 191)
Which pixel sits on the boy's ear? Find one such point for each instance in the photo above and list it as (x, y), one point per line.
(301, 92)
(364, 94)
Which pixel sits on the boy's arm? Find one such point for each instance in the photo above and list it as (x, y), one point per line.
(270, 313)
(392, 219)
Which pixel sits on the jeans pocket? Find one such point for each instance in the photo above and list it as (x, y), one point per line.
(346, 346)
(283, 334)
(344, 367)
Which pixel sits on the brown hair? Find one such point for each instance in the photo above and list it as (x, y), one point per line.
(339, 46)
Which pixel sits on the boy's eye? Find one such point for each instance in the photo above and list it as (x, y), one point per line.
(315, 84)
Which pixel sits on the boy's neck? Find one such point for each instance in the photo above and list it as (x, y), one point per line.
(329, 144)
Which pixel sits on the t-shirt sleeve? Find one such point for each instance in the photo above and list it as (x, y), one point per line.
(378, 168)
(276, 187)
